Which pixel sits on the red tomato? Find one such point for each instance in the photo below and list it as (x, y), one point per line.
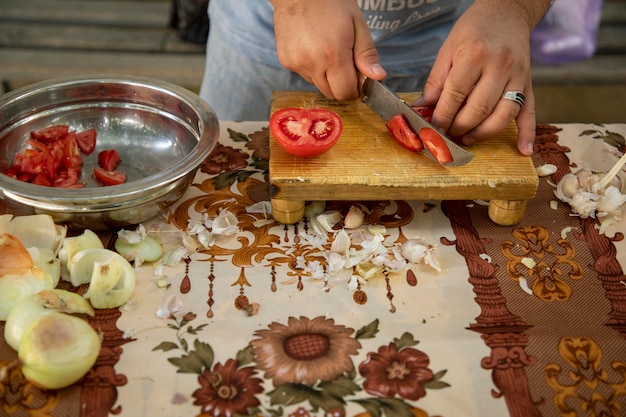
(436, 145)
(306, 132)
(49, 134)
(109, 177)
(109, 159)
(86, 141)
(68, 178)
(404, 134)
(425, 112)
(71, 153)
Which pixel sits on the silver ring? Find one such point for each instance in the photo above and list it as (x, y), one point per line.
(516, 96)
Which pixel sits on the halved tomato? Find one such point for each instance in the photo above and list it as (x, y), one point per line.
(436, 145)
(404, 134)
(306, 132)
(109, 177)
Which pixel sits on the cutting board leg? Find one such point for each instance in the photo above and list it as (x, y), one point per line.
(287, 211)
(506, 212)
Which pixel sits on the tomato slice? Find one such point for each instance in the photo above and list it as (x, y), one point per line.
(306, 132)
(109, 177)
(425, 112)
(86, 141)
(404, 134)
(436, 145)
(71, 153)
(50, 134)
(109, 159)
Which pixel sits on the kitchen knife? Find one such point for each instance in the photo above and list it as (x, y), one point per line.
(387, 104)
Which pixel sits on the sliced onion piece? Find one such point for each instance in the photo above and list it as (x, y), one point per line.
(57, 349)
(72, 245)
(28, 309)
(47, 262)
(14, 287)
(148, 249)
(111, 278)
(38, 230)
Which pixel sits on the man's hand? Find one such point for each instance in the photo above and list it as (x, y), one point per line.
(328, 43)
(486, 54)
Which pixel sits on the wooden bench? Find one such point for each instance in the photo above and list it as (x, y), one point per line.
(41, 39)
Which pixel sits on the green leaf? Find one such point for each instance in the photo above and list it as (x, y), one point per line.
(406, 340)
(369, 331)
(204, 352)
(433, 384)
(340, 387)
(188, 364)
(225, 180)
(290, 394)
(440, 374)
(245, 356)
(587, 132)
(324, 401)
(242, 175)
(261, 164)
(390, 407)
(371, 406)
(184, 345)
(166, 346)
(237, 136)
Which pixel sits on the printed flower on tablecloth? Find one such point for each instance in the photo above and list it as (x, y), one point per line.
(392, 372)
(228, 390)
(308, 361)
(230, 164)
(305, 351)
(224, 158)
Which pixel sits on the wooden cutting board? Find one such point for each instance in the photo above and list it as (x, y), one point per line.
(367, 164)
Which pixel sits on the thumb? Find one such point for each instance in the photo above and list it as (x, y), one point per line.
(366, 57)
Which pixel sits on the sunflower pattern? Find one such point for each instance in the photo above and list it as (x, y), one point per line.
(307, 361)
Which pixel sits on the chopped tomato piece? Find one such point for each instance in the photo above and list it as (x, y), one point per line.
(109, 159)
(425, 112)
(71, 153)
(68, 179)
(436, 145)
(404, 134)
(109, 177)
(50, 134)
(86, 141)
(306, 132)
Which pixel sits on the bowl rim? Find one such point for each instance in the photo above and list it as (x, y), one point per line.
(85, 197)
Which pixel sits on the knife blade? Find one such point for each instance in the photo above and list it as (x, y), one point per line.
(387, 104)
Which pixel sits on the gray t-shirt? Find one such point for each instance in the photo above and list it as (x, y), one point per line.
(408, 33)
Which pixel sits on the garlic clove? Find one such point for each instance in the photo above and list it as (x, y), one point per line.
(354, 218)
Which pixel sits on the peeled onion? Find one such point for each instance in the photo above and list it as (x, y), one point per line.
(57, 350)
(28, 309)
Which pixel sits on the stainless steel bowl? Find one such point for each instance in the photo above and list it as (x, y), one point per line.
(162, 132)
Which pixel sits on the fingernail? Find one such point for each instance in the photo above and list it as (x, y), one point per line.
(377, 69)
(418, 102)
(530, 148)
(469, 141)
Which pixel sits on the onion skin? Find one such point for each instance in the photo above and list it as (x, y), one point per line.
(14, 258)
(57, 350)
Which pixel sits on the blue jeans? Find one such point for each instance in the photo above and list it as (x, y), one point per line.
(239, 88)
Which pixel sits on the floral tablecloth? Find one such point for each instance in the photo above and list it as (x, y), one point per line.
(247, 327)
